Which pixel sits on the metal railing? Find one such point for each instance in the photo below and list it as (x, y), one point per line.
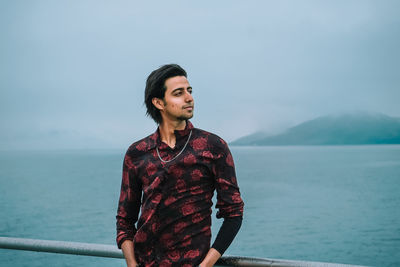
(110, 251)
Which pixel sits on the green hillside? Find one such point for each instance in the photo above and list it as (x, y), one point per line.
(346, 129)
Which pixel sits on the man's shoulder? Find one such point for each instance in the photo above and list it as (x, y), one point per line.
(142, 146)
(138, 151)
(213, 140)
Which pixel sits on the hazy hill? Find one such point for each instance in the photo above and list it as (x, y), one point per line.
(346, 129)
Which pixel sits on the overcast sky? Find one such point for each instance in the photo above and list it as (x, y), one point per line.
(72, 73)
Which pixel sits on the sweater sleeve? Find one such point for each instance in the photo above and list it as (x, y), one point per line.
(229, 201)
(129, 203)
(230, 227)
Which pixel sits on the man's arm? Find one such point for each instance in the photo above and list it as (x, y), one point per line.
(129, 253)
(230, 227)
(128, 210)
(229, 203)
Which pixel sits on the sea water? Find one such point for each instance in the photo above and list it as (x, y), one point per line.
(317, 203)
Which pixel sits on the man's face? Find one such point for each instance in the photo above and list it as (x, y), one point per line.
(178, 100)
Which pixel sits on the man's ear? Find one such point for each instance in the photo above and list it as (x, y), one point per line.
(158, 103)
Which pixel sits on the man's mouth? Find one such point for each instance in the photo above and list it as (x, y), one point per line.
(188, 107)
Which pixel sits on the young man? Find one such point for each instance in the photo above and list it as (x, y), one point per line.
(170, 177)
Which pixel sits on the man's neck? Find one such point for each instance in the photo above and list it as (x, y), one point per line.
(167, 131)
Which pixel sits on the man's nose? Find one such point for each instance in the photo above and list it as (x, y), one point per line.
(189, 97)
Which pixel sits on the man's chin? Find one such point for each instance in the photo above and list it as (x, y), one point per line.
(185, 117)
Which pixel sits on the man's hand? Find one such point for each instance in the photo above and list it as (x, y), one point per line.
(129, 253)
(211, 258)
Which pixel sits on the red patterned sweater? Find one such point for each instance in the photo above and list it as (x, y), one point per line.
(175, 198)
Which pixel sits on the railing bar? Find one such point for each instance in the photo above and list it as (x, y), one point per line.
(111, 251)
(63, 247)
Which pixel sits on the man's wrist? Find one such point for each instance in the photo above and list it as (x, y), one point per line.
(133, 263)
(211, 258)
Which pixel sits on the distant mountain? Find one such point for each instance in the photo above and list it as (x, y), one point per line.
(345, 129)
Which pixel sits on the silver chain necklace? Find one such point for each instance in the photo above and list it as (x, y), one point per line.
(166, 161)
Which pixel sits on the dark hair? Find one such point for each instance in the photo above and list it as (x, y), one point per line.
(155, 87)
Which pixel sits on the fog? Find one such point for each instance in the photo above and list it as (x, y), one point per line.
(72, 73)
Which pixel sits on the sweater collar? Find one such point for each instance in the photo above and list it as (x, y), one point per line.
(155, 138)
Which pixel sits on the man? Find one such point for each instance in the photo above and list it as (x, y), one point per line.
(170, 177)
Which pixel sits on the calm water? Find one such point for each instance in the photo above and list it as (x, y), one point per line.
(333, 204)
